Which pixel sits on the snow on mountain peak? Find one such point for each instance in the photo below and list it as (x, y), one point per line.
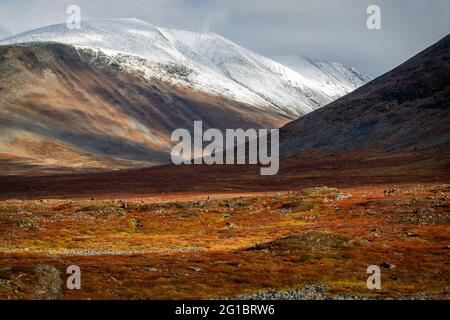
(335, 78)
(209, 62)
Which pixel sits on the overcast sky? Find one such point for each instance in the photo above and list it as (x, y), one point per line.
(326, 29)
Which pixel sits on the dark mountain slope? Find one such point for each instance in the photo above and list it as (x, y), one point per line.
(404, 111)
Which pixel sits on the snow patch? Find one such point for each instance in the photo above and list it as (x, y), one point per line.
(210, 63)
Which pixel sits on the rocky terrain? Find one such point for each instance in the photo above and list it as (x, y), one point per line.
(206, 62)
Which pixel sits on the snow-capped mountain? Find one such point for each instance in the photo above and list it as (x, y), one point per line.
(108, 96)
(334, 78)
(403, 115)
(207, 62)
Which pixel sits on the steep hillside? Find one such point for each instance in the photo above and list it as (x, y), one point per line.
(62, 110)
(335, 78)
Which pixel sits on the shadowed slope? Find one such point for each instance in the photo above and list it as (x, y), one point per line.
(393, 130)
(404, 111)
(65, 110)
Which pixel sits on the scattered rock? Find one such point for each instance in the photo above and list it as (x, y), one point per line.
(309, 292)
(29, 223)
(391, 191)
(200, 204)
(420, 210)
(387, 265)
(411, 234)
(49, 283)
(152, 269)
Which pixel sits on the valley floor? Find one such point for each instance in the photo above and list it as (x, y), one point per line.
(311, 243)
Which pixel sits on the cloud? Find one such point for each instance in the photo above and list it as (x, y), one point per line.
(4, 32)
(331, 30)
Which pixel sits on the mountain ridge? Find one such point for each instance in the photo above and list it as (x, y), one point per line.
(209, 62)
(62, 110)
(404, 110)
(420, 87)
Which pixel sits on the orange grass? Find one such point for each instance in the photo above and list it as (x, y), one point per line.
(224, 247)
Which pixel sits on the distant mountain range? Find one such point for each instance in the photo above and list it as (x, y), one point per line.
(109, 95)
